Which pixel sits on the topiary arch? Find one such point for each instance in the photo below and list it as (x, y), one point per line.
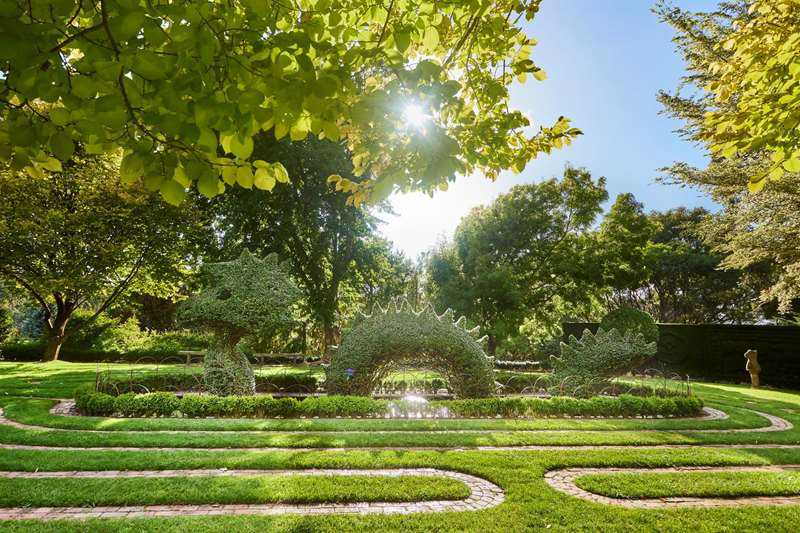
(399, 335)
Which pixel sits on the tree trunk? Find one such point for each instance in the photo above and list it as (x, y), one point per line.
(491, 345)
(330, 337)
(55, 337)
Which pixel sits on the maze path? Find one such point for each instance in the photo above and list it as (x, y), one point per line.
(563, 480)
(483, 495)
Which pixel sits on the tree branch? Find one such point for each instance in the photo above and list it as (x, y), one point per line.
(30, 289)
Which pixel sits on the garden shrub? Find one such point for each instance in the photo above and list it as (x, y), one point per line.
(400, 335)
(94, 403)
(627, 319)
(594, 358)
(248, 296)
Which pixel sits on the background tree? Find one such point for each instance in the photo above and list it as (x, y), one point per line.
(757, 88)
(753, 234)
(81, 238)
(684, 282)
(331, 245)
(177, 84)
(510, 259)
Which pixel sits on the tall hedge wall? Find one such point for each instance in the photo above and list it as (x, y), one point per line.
(715, 352)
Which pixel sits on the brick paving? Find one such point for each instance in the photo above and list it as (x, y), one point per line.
(563, 480)
(483, 495)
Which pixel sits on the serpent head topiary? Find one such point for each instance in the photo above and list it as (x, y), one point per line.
(626, 319)
(239, 298)
(399, 334)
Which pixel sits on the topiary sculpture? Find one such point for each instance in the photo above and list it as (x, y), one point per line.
(597, 357)
(626, 319)
(239, 298)
(401, 335)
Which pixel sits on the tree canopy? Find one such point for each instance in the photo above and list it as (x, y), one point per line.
(79, 237)
(335, 253)
(756, 87)
(751, 229)
(508, 260)
(182, 88)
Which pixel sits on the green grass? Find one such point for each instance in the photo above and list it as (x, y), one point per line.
(693, 484)
(91, 492)
(530, 504)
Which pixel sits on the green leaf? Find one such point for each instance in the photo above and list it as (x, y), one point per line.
(540, 74)
(207, 140)
(61, 145)
(792, 165)
(130, 25)
(173, 192)
(280, 173)
(244, 177)
(264, 179)
(108, 70)
(242, 148)
(181, 177)
(59, 116)
(402, 40)
(229, 174)
(208, 185)
(430, 39)
(149, 66)
(298, 132)
(132, 168)
(52, 164)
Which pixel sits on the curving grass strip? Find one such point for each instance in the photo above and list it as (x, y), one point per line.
(141, 494)
(702, 486)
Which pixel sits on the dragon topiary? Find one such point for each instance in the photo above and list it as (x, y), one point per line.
(595, 358)
(239, 298)
(399, 334)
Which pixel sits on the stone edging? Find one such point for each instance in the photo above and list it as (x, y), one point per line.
(483, 495)
(563, 480)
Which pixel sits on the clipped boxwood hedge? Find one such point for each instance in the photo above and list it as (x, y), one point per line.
(608, 406)
(93, 403)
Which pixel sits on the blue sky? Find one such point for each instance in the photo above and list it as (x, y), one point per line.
(605, 61)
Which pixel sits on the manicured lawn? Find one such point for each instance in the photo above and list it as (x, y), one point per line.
(530, 504)
(716, 484)
(18, 492)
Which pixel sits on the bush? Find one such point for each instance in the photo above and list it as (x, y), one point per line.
(129, 404)
(592, 359)
(627, 319)
(624, 405)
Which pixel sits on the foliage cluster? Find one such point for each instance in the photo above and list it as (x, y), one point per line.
(400, 335)
(94, 403)
(625, 319)
(597, 357)
(182, 89)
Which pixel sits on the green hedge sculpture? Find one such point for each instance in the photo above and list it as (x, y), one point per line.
(595, 358)
(242, 297)
(400, 335)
